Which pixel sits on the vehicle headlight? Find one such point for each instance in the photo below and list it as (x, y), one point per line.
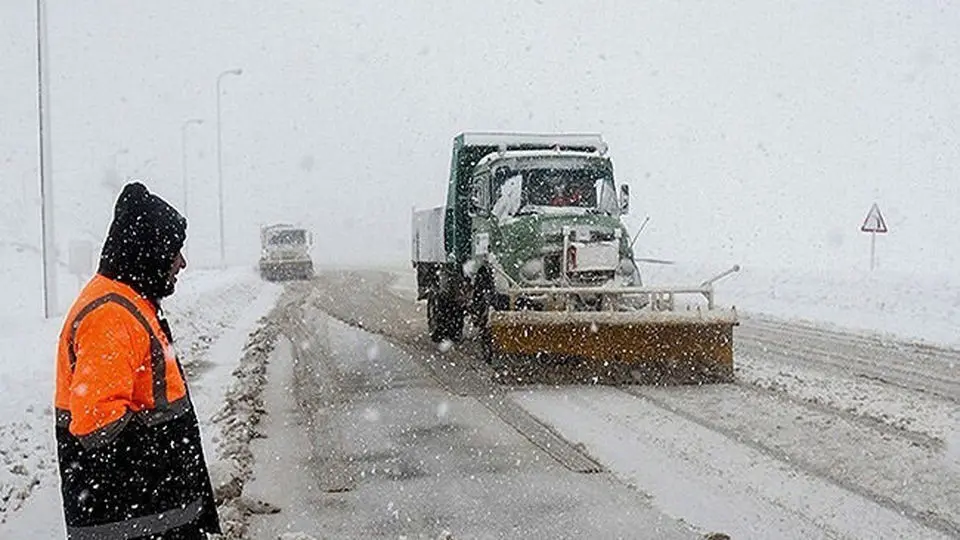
(532, 269)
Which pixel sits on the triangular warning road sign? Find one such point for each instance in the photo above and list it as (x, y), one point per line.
(874, 222)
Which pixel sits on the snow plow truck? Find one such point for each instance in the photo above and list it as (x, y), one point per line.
(531, 248)
(285, 252)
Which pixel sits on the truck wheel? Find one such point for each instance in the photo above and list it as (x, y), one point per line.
(454, 320)
(444, 318)
(433, 322)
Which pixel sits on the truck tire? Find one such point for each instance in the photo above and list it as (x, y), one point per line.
(454, 322)
(444, 318)
(433, 318)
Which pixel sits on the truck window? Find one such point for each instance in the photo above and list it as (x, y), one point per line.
(554, 187)
(289, 238)
(559, 187)
(481, 192)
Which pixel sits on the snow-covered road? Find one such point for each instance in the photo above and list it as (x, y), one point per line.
(824, 434)
(380, 449)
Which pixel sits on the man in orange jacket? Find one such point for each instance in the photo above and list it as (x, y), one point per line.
(128, 441)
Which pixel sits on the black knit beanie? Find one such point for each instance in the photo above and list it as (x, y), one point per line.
(144, 238)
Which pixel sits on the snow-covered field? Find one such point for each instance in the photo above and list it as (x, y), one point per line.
(211, 316)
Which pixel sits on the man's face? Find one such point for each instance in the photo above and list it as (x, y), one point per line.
(179, 263)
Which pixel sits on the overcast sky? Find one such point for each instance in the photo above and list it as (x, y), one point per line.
(750, 131)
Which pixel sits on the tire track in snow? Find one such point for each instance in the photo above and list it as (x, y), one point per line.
(837, 436)
(917, 367)
(700, 475)
(707, 476)
(461, 375)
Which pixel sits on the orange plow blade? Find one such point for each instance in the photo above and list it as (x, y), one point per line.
(559, 347)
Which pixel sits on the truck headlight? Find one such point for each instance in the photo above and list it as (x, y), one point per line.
(532, 269)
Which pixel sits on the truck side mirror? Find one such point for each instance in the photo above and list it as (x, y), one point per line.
(477, 205)
(624, 199)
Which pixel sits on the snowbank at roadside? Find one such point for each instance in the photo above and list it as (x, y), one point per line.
(233, 427)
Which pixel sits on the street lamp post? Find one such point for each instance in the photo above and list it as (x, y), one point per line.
(223, 252)
(49, 251)
(183, 155)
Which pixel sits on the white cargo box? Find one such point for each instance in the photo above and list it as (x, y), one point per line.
(428, 236)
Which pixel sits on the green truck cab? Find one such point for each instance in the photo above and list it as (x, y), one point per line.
(523, 210)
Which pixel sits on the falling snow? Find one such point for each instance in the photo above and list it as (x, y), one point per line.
(326, 410)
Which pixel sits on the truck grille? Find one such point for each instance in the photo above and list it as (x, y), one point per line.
(601, 236)
(596, 277)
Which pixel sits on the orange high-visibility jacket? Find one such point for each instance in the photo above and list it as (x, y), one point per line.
(114, 363)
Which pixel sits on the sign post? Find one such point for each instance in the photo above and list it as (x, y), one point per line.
(874, 224)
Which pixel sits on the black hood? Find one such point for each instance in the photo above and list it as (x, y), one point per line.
(145, 237)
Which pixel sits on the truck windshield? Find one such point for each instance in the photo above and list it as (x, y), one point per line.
(542, 189)
(288, 238)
